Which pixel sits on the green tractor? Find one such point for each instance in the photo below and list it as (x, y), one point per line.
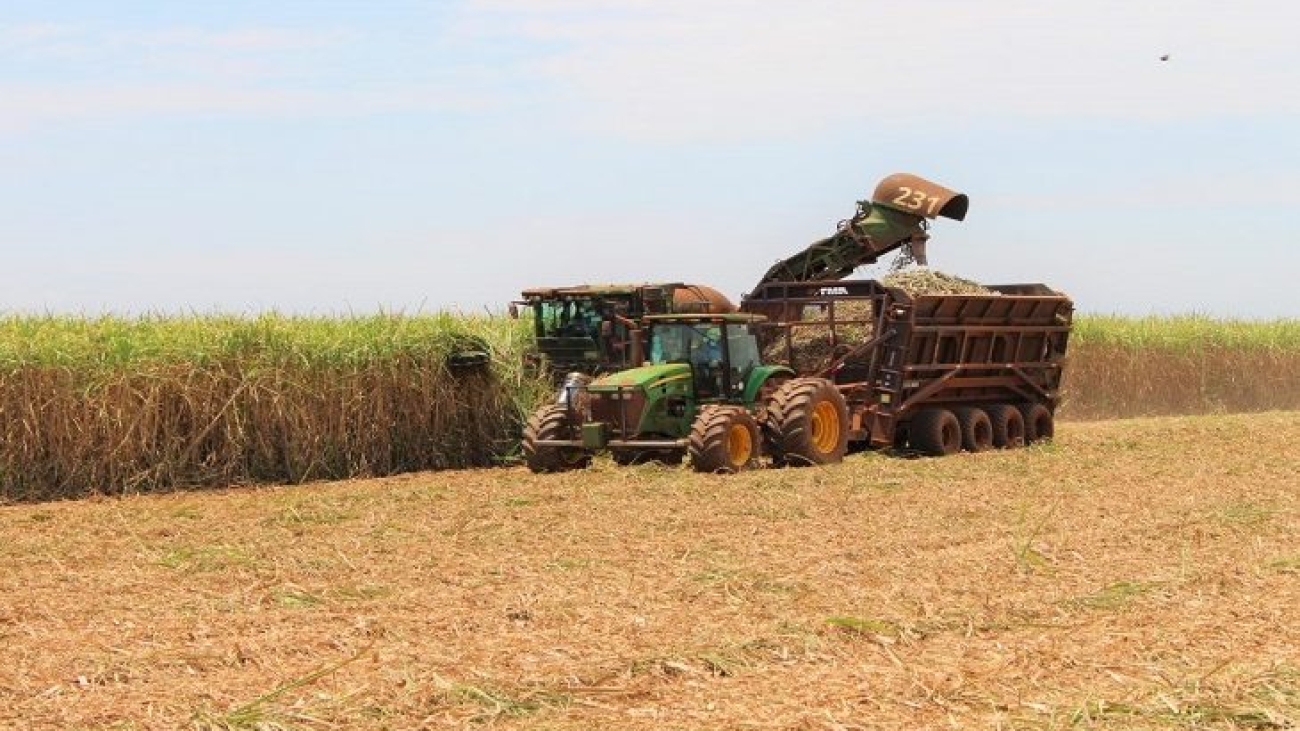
(703, 393)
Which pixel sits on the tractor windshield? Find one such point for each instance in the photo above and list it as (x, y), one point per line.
(686, 343)
(568, 318)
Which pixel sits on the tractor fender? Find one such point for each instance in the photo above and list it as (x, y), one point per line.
(761, 375)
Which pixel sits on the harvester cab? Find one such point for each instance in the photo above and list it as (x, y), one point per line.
(586, 330)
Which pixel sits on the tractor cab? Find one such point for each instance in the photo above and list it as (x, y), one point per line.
(721, 350)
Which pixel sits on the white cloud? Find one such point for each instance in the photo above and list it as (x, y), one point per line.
(79, 74)
(1225, 192)
(27, 107)
(34, 34)
(678, 69)
(253, 39)
(671, 70)
(60, 38)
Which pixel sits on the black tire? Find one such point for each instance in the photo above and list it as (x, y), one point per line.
(976, 429)
(625, 456)
(809, 422)
(1008, 426)
(935, 432)
(1039, 424)
(723, 439)
(551, 422)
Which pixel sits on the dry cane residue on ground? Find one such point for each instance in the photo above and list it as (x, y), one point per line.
(1141, 574)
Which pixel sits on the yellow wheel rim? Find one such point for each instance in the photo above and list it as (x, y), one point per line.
(825, 427)
(740, 445)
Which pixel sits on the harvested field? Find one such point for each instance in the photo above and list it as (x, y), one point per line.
(1139, 574)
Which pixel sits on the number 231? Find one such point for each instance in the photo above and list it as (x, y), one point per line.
(915, 200)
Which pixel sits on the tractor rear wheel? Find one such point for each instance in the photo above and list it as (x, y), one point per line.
(810, 421)
(935, 432)
(1008, 426)
(1039, 424)
(976, 429)
(723, 439)
(551, 422)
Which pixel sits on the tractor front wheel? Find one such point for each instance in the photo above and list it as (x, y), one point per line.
(810, 422)
(723, 439)
(551, 422)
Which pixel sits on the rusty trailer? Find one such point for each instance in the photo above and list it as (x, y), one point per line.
(932, 373)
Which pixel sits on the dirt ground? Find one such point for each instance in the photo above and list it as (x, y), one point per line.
(1134, 574)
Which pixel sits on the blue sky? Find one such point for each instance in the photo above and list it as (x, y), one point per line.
(351, 156)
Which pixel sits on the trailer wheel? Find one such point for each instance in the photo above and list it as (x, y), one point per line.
(1008, 426)
(936, 432)
(723, 439)
(810, 421)
(976, 429)
(625, 457)
(551, 422)
(1039, 424)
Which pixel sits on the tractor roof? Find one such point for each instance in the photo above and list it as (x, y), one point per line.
(593, 290)
(733, 318)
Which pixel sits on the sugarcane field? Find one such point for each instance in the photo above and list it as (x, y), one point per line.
(649, 366)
